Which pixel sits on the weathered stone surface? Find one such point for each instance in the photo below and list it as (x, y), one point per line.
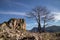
(24, 35)
(15, 24)
(21, 35)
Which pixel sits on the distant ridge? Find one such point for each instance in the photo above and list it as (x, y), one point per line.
(52, 28)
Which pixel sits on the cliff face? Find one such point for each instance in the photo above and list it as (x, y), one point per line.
(15, 24)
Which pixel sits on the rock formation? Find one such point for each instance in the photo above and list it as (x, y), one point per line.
(15, 24)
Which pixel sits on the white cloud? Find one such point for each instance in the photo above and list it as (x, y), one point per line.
(56, 16)
(15, 13)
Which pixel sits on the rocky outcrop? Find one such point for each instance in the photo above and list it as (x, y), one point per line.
(15, 24)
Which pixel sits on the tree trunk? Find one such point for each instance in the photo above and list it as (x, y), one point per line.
(39, 27)
(44, 30)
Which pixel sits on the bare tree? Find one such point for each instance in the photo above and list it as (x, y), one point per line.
(47, 16)
(40, 14)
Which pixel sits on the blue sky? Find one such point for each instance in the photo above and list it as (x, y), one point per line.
(18, 8)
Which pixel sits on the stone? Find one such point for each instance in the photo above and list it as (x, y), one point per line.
(15, 24)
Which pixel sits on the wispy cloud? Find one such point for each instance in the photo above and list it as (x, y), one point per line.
(31, 25)
(56, 16)
(10, 2)
(21, 4)
(15, 13)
